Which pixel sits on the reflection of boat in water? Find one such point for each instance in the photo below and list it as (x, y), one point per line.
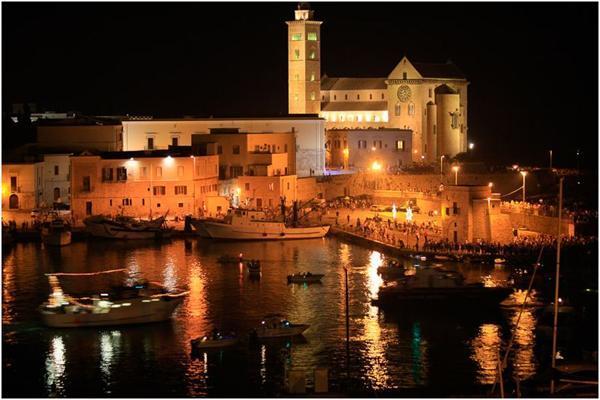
(56, 232)
(275, 325)
(436, 284)
(305, 277)
(8, 238)
(140, 302)
(516, 299)
(127, 228)
(253, 225)
(227, 259)
(216, 340)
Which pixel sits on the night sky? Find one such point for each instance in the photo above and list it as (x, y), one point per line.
(533, 67)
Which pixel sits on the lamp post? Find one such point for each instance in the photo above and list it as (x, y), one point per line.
(442, 168)
(550, 159)
(455, 169)
(524, 174)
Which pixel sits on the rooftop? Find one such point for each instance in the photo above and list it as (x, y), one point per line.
(328, 83)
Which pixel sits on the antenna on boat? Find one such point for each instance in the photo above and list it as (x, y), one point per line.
(557, 281)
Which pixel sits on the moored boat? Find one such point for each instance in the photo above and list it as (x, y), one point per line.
(254, 225)
(138, 303)
(127, 228)
(56, 232)
(305, 277)
(276, 325)
(215, 340)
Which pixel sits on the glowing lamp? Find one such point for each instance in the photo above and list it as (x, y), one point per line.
(376, 166)
(455, 168)
(169, 160)
(346, 152)
(524, 173)
(491, 184)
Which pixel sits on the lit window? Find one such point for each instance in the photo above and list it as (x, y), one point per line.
(341, 117)
(454, 120)
(312, 76)
(399, 144)
(312, 36)
(359, 118)
(312, 95)
(297, 54)
(296, 37)
(271, 186)
(411, 109)
(368, 118)
(397, 109)
(312, 55)
(377, 118)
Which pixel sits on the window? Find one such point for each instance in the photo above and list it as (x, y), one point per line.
(127, 202)
(86, 184)
(180, 205)
(236, 149)
(88, 208)
(312, 36)
(219, 149)
(404, 75)
(296, 77)
(247, 186)
(411, 109)
(370, 96)
(362, 144)
(400, 145)
(150, 144)
(158, 172)
(285, 148)
(271, 186)
(56, 193)
(181, 189)
(397, 109)
(382, 96)
(13, 183)
(288, 186)
(312, 95)
(430, 92)
(377, 143)
(175, 141)
(296, 37)
(143, 172)
(345, 97)
(335, 97)
(312, 55)
(312, 76)
(56, 170)
(143, 202)
(358, 97)
(107, 174)
(297, 54)
(454, 120)
(236, 171)
(121, 174)
(159, 190)
(180, 171)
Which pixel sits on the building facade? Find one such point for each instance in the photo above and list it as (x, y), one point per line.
(56, 180)
(143, 184)
(81, 134)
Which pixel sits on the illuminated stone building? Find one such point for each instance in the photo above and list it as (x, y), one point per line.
(430, 99)
(144, 184)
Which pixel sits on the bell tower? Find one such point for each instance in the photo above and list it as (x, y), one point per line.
(304, 62)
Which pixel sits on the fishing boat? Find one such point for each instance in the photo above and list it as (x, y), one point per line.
(199, 226)
(499, 261)
(436, 284)
(215, 340)
(137, 303)
(276, 325)
(127, 228)
(254, 225)
(56, 232)
(305, 277)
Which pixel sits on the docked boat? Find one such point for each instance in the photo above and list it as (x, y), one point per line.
(305, 277)
(254, 225)
(215, 340)
(56, 233)
(276, 325)
(127, 228)
(436, 284)
(137, 303)
(499, 261)
(253, 267)
(392, 270)
(199, 225)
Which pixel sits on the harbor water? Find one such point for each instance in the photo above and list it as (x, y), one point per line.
(420, 351)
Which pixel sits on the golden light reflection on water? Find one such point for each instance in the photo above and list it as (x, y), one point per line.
(485, 352)
(524, 362)
(8, 280)
(55, 367)
(110, 347)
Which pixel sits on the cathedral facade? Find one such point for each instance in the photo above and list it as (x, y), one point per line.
(429, 99)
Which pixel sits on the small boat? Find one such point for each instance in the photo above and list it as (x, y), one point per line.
(305, 277)
(442, 258)
(127, 228)
(228, 259)
(253, 268)
(422, 258)
(56, 233)
(499, 261)
(276, 325)
(216, 340)
(136, 303)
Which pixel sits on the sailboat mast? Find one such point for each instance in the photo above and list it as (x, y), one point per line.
(557, 280)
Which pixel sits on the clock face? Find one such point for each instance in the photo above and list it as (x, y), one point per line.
(403, 93)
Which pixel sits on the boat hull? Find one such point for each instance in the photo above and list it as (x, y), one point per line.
(213, 344)
(139, 312)
(292, 330)
(475, 295)
(263, 231)
(109, 231)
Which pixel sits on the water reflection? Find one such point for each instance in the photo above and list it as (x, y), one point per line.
(486, 347)
(55, 367)
(110, 348)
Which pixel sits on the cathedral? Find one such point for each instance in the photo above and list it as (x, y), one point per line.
(426, 101)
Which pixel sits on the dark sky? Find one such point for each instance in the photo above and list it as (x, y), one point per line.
(533, 67)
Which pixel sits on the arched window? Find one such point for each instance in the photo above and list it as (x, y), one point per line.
(13, 201)
(397, 109)
(411, 109)
(56, 193)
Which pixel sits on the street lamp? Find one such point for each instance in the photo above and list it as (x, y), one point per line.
(550, 159)
(455, 169)
(471, 146)
(524, 173)
(491, 185)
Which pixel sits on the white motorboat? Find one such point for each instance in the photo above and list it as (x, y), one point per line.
(138, 303)
(199, 228)
(276, 325)
(127, 228)
(56, 233)
(215, 340)
(254, 225)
